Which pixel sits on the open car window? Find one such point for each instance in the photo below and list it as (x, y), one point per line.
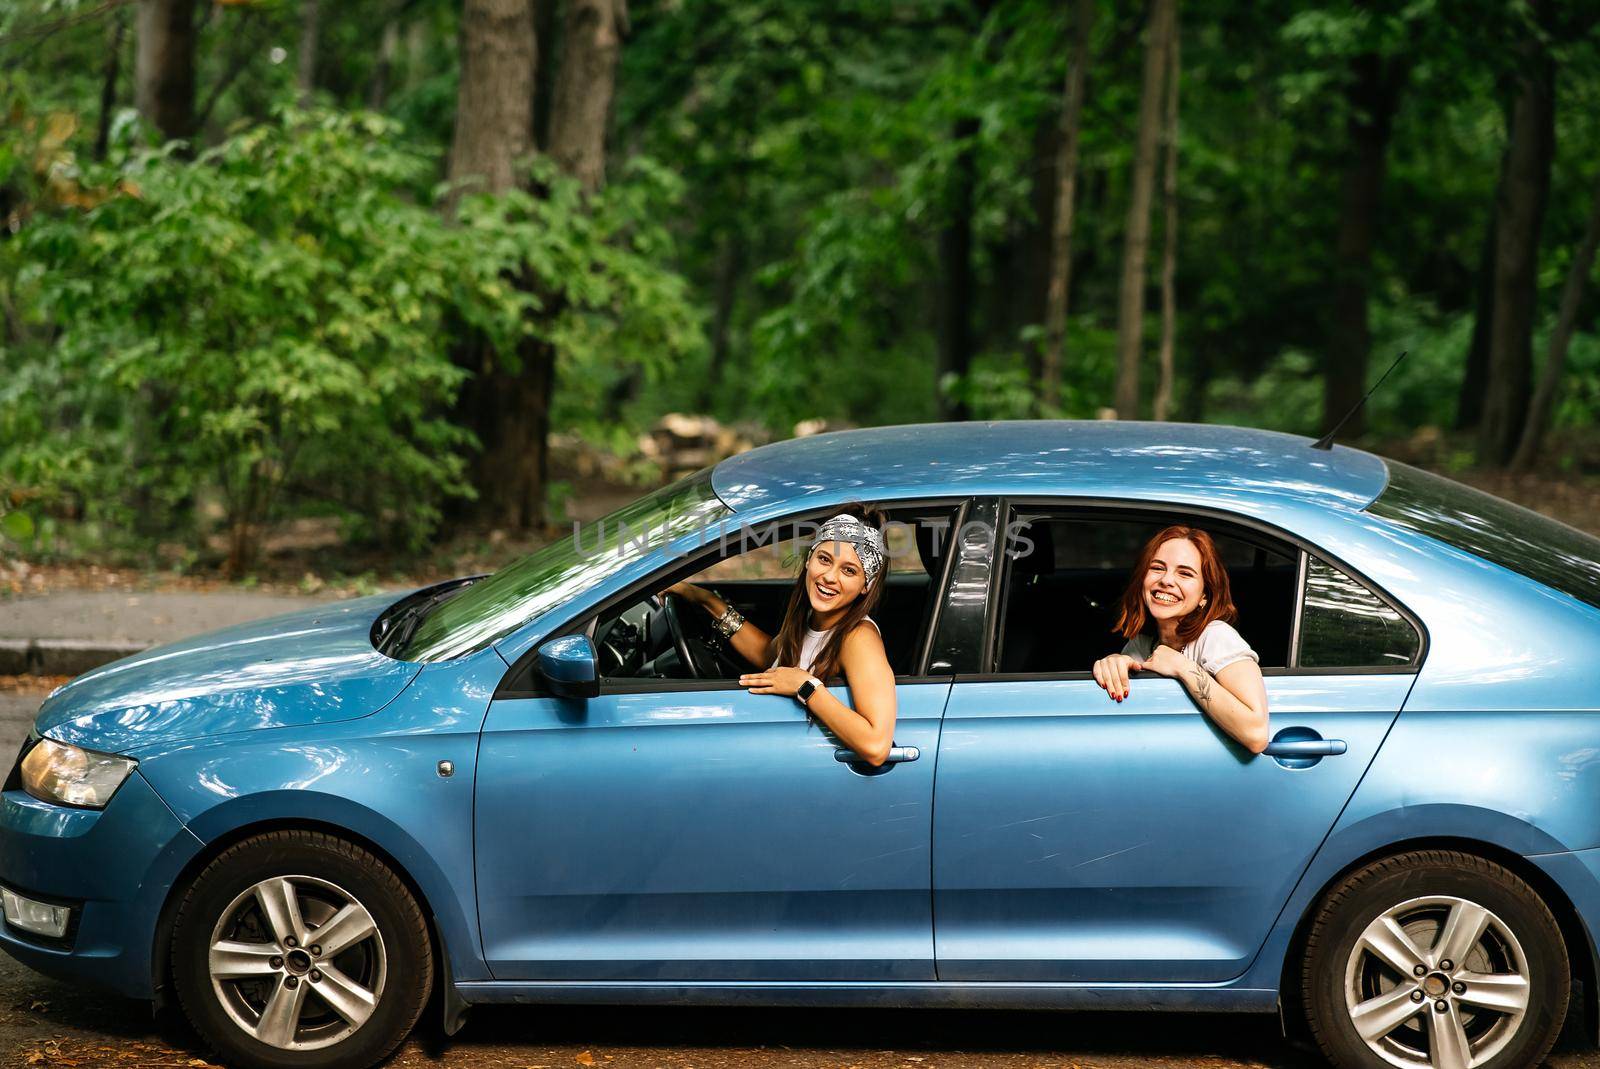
(755, 573)
(1066, 571)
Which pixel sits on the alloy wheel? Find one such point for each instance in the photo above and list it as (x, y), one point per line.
(297, 962)
(1438, 981)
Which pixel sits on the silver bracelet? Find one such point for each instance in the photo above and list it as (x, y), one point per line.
(729, 622)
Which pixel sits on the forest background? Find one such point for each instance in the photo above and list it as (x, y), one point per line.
(399, 271)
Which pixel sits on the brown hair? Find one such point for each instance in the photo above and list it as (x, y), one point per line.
(1213, 578)
(797, 616)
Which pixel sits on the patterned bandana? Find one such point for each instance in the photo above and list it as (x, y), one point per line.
(867, 539)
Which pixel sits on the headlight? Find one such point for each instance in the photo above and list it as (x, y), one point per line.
(67, 775)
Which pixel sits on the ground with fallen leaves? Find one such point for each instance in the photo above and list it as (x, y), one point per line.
(45, 1023)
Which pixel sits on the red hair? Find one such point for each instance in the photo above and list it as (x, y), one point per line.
(1213, 578)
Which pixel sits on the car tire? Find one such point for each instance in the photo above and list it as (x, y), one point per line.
(267, 999)
(1500, 1007)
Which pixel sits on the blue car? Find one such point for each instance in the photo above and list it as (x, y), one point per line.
(547, 786)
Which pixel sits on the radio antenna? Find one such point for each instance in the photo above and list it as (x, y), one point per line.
(1326, 441)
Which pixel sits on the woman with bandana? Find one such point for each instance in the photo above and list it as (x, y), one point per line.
(825, 631)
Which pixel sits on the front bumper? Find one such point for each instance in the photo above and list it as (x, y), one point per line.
(114, 866)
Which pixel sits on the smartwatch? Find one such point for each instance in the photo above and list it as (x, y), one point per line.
(806, 690)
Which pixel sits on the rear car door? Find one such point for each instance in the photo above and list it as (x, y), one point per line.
(1078, 839)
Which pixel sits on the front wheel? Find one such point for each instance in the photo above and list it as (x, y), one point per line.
(298, 950)
(1435, 959)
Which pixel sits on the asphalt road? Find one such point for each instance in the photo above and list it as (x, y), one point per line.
(17, 708)
(46, 1023)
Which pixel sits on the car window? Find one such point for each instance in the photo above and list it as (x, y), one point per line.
(1345, 625)
(1067, 571)
(492, 608)
(1511, 536)
(754, 570)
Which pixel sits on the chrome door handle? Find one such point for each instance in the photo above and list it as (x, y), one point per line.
(1306, 748)
(897, 754)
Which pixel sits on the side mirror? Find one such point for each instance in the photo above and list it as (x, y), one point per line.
(568, 666)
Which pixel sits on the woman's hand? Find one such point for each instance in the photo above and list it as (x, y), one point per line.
(1112, 674)
(685, 590)
(1166, 661)
(784, 681)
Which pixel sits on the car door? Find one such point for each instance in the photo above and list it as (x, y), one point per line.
(1078, 839)
(689, 830)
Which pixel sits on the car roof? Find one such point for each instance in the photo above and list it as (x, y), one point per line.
(1038, 457)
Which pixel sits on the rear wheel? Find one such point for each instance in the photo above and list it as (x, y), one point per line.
(298, 949)
(1435, 959)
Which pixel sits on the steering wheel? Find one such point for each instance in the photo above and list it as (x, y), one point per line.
(668, 607)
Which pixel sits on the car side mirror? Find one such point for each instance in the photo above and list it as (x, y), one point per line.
(568, 667)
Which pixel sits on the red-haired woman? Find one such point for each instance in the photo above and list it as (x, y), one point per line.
(1177, 615)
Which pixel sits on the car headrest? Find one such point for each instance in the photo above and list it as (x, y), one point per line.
(1040, 558)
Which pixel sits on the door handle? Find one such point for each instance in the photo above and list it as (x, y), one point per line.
(1306, 748)
(897, 755)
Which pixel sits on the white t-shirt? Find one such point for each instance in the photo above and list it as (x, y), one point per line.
(1218, 646)
(811, 645)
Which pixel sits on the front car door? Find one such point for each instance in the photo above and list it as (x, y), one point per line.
(1078, 839)
(685, 829)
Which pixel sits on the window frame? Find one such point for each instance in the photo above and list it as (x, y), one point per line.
(522, 681)
(1008, 506)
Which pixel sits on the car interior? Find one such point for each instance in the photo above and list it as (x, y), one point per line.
(1061, 595)
(650, 637)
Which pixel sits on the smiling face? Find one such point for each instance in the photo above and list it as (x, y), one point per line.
(1173, 587)
(834, 578)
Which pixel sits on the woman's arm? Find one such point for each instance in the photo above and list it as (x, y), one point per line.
(749, 642)
(1235, 698)
(868, 729)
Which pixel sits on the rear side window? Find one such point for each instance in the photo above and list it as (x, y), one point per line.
(1511, 536)
(1345, 625)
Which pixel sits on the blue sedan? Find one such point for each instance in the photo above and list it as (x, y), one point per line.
(547, 786)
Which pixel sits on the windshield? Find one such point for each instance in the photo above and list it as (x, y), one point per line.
(1509, 535)
(492, 608)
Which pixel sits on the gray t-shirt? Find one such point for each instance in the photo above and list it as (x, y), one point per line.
(1218, 646)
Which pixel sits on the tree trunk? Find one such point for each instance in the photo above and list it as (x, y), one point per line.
(729, 266)
(1060, 286)
(1136, 235)
(1556, 357)
(547, 35)
(1371, 100)
(494, 101)
(164, 66)
(383, 70)
(1519, 216)
(1169, 254)
(115, 31)
(306, 71)
(955, 273)
(585, 83)
(1469, 408)
(507, 409)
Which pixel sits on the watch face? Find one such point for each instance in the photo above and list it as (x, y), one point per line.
(804, 693)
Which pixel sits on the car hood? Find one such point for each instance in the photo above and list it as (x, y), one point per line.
(315, 666)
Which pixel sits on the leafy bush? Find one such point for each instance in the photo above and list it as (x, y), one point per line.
(272, 323)
(266, 317)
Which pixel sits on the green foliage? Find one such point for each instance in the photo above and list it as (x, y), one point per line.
(272, 323)
(265, 318)
(603, 295)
